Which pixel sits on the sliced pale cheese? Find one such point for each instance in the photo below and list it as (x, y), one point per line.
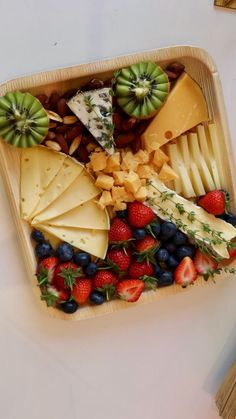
(94, 242)
(227, 231)
(197, 156)
(94, 109)
(81, 190)
(184, 108)
(88, 215)
(217, 152)
(69, 171)
(209, 155)
(186, 173)
(39, 166)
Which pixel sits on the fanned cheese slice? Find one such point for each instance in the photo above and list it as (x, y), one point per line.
(228, 232)
(69, 171)
(39, 165)
(88, 215)
(94, 242)
(81, 190)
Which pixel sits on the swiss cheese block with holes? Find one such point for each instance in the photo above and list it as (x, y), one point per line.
(184, 108)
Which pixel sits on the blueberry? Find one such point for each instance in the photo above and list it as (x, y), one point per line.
(156, 228)
(65, 252)
(43, 250)
(37, 236)
(172, 262)
(122, 214)
(69, 306)
(170, 246)
(231, 219)
(157, 271)
(82, 259)
(168, 229)
(183, 251)
(96, 298)
(91, 269)
(165, 279)
(222, 216)
(180, 238)
(162, 255)
(139, 233)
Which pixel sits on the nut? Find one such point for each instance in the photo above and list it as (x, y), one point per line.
(83, 155)
(69, 94)
(74, 131)
(62, 107)
(53, 145)
(54, 116)
(176, 68)
(93, 84)
(50, 135)
(123, 140)
(70, 119)
(42, 98)
(75, 144)
(172, 76)
(62, 142)
(91, 147)
(62, 129)
(117, 121)
(136, 145)
(54, 98)
(129, 123)
(52, 125)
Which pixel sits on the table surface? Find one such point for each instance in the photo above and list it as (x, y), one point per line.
(160, 361)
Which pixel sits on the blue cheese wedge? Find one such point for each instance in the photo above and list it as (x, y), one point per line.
(193, 220)
(94, 109)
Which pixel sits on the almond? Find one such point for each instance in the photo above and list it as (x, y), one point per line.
(53, 145)
(123, 140)
(62, 142)
(70, 119)
(75, 144)
(54, 116)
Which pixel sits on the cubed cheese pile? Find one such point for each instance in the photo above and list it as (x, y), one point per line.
(123, 176)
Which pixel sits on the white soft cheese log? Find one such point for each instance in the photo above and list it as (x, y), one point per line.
(94, 242)
(154, 201)
(88, 215)
(81, 190)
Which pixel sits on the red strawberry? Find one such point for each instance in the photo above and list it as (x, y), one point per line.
(65, 275)
(232, 252)
(130, 289)
(82, 290)
(53, 296)
(138, 269)
(139, 215)
(204, 263)
(213, 202)
(119, 259)
(185, 273)
(146, 248)
(45, 270)
(105, 281)
(119, 231)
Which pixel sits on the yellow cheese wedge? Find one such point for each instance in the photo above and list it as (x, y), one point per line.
(39, 165)
(227, 231)
(88, 215)
(184, 108)
(94, 242)
(81, 190)
(69, 171)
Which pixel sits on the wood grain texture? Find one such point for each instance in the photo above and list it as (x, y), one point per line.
(226, 395)
(198, 64)
(228, 4)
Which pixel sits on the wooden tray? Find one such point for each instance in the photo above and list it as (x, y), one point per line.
(198, 64)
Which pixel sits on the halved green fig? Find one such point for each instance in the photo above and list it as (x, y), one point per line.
(141, 89)
(23, 120)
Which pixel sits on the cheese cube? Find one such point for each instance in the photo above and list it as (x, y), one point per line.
(132, 182)
(160, 158)
(104, 181)
(98, 161)
(167, 173)
(113, 162)
(129, 161)
(143, 182)
(105, 199)
(119, 177)
(145, 171)
(120, 206)
(141, 194)
(142, 156)
(119, 193)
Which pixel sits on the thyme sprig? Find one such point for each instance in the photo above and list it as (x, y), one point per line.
(211, 273)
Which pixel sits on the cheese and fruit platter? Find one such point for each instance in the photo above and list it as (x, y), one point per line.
(119, 177)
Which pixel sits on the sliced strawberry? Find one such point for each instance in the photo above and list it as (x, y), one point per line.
(139, 215)
(138, 269)
(119, 231)
(105, 282)
(146, 248)
(119, 259)
(82, 290)
(65, 276)
(45, 270)
(213, 202)
(185, 273)
(130, 289)
(204, 263)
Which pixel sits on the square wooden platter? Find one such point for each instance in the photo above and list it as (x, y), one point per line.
(198, 64)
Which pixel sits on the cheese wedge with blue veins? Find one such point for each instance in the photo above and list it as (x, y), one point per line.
(169, 206)
(94, 109)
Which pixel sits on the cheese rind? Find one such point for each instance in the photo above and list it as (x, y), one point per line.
(184, 108)
(227, 231)
(94, 242)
